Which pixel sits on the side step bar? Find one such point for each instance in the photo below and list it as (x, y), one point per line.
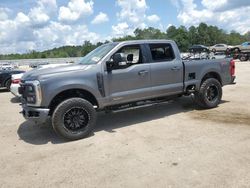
(137, 105)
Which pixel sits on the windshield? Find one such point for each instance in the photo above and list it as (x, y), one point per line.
(97, 54)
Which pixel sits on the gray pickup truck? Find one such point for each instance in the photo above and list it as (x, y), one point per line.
(119, 76)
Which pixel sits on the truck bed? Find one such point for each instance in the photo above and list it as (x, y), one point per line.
(195, 70)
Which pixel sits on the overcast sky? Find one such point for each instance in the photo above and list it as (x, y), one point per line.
(45, 24)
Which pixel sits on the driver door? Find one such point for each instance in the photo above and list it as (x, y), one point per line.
(129, 81)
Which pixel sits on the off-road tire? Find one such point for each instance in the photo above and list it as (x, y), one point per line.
(243, 58)
(61, 126)
(203, 98)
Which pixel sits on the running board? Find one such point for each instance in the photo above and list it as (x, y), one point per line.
(136, 105)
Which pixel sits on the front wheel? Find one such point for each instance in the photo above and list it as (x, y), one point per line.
(74, 118)
(210, 93)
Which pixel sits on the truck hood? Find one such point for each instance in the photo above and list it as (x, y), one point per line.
(36, 74)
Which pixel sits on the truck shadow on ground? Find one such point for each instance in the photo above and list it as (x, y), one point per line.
(15, 100)
(39, 135)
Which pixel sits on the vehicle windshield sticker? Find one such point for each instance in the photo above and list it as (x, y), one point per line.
(96, 59)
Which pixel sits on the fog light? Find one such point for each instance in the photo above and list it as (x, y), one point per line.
(31, 99)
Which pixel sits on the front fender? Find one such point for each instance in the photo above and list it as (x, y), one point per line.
(49, 91)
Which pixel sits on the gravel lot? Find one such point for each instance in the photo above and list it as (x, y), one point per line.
(169, 145)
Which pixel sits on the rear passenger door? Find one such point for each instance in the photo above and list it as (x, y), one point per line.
(166, 70)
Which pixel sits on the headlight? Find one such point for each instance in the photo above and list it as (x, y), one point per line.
(33, 93)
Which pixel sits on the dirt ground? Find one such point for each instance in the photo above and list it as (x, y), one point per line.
(169, 145)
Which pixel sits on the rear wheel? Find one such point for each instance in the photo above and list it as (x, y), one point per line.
(74, 118)
(243, 58)
(210, 93)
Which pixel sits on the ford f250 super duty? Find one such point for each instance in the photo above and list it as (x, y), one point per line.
(118, 76)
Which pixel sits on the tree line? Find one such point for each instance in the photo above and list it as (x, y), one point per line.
(185, 37)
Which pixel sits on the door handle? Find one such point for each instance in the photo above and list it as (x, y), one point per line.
(142, 73)
(176, 68)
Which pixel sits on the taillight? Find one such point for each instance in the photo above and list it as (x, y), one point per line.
(232, 67)
(16, 81)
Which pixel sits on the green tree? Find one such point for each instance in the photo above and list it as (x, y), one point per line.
(203, 34)
(193, 36)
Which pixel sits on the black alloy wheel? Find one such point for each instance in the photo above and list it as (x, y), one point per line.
(209, 94)
(76, 119)
(212, 93)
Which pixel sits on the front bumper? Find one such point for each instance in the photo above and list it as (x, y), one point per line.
(37, 115)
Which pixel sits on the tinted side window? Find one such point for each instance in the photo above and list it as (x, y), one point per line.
(161, 52)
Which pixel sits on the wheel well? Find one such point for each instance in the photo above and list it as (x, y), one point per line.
(69, 94)
(237, 48)
(212, 75)
(5, 82)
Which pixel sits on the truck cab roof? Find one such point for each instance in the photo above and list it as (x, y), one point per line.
(144, 41)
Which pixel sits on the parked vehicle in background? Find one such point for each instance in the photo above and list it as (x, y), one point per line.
(6, 66)
(119, 76)
(5, 77)
(16, 78)
(244, 47)
(196, 56)
(36, 64)
(197, 48)
(15, 84)
(52, 65)
(218, 55)
(220, 48)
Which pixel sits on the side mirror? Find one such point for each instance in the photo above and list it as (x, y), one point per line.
(130, 57)
(109, 65)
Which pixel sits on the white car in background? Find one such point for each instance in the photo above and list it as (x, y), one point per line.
(51, 65)
(6, 66)
(220, 48)
(16, 78)
(15, 84)
(218, 55)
